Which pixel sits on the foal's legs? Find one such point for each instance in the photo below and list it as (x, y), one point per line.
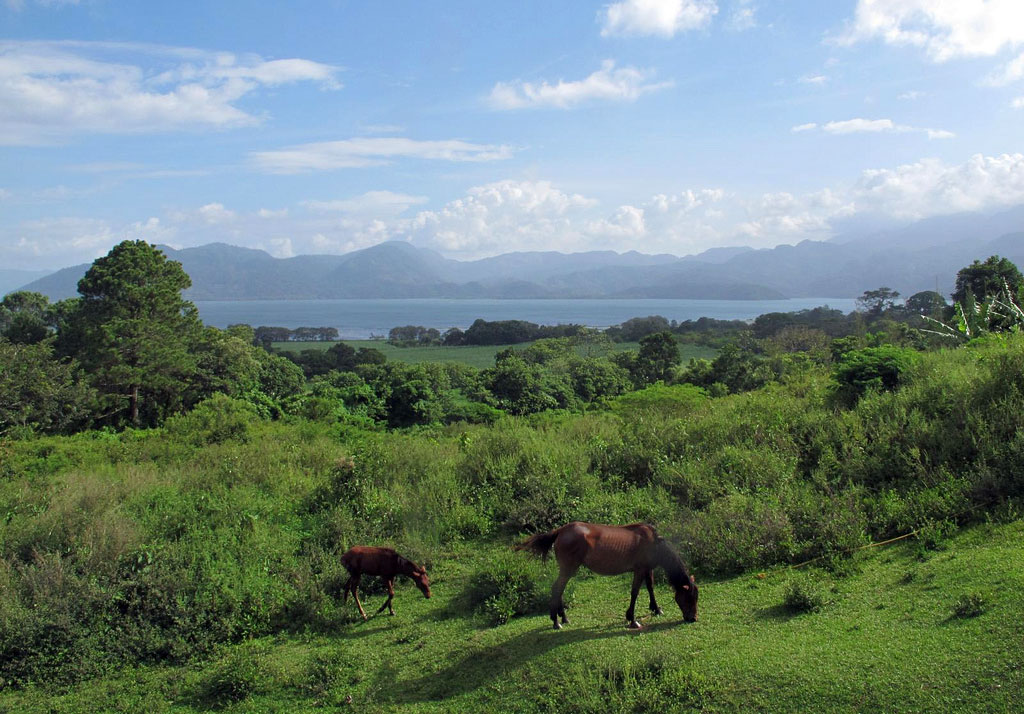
(557, 607)
(354, 580)
(390, 582)
(650, 591)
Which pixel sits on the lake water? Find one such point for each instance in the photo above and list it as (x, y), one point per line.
(361, 319)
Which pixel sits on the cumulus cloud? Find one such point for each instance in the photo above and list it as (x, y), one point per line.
(871, 126)
(1018, 103)
(912, 95)
(58, 242)
(663, 18)
(531, 215)
(50, 91)
(516, 215)
(372, 151)
(945, 29)
(929, 187)
(625, 84)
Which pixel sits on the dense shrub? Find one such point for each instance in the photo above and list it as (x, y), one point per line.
(872, 368)
(509, 586)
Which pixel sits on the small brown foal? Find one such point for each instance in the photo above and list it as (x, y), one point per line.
(363, 560)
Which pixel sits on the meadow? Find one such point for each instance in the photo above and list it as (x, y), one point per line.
(196, 565)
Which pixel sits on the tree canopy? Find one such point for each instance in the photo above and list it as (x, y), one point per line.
(133, 331)
(987, 279)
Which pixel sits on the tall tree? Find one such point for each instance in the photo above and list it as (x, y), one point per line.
(987, 279)
(134, 330)
(875, 302)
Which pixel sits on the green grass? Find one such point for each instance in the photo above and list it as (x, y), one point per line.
(887, 638)
(473, 355)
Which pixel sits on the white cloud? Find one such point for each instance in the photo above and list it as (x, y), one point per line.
(17, 5)
(50, 91)
(362, 152)
(59, 242)
(1009, 73)
(657, 17)
(1018, 103)
(817, 79)
(945, 29)
(872, 126)
(744, 16)
(624, 226)
(515, 215)
(215, 213)
(625, 84)
(5, 194)
(371, 202)
(911, 95)
(503, 216)
(270, 213)
(929, 187)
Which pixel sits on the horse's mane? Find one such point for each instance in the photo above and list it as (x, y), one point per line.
(674, 566)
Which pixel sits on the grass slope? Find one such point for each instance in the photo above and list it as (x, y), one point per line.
(887, 639)
(477, 356)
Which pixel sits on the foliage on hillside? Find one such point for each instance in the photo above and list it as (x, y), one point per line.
(223, 521)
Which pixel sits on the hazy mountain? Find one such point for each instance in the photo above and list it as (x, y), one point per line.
(11, 280)
(922, 256)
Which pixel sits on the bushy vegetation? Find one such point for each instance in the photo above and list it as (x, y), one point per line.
(189, 521)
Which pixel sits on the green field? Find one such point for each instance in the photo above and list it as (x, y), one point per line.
(887, 639)
(480, 357)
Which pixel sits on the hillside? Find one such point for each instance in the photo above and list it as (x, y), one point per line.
(888, 639)
(918, 257)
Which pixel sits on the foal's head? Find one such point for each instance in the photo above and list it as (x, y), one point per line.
(686, 599)
(419, 576)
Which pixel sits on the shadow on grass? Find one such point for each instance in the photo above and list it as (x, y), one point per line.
(779, 613)
(480, 666)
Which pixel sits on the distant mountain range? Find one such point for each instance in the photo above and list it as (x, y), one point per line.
(922, 256)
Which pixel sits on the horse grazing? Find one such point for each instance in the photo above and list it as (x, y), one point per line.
(363, 560)
(611, 550)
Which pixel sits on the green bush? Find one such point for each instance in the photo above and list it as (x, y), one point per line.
(510, 585)
(969, 605)
(214, 420)
(872, 368)
(233, 678)
(803, 594)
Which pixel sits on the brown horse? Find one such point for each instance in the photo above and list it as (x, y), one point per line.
(611, 550)
(363, 560)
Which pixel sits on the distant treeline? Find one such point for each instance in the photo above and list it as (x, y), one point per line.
(266, 335)
(704, 330)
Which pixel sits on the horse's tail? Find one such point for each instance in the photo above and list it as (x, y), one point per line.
(539, 544)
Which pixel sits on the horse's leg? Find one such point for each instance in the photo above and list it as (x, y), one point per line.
(348, 585)
(650, 591)
(557, 606)
(638, 578)
(390, 582)
(355, 594)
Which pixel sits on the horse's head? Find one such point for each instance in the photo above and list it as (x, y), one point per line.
(686, 599)
(419, 576)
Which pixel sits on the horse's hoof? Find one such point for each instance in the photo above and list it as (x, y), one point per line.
(658, 611)
(565, 620)
(634, 625)
(557, 626)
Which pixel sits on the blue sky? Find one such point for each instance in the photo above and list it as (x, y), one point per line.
(476, 128)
